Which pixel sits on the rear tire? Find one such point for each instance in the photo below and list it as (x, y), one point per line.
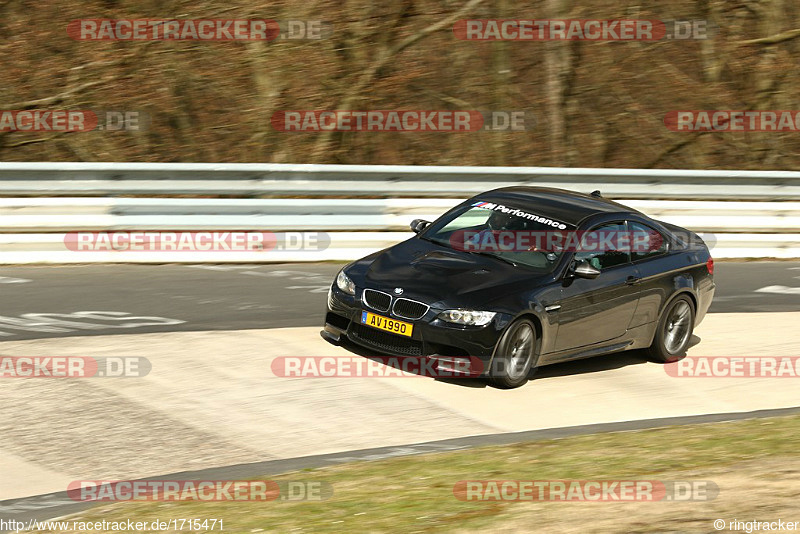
(673, 332)
(515, 355)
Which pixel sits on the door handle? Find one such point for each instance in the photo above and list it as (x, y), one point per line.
(632, 280)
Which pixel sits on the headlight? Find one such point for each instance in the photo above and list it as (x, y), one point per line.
(467, 317)
(344, 283)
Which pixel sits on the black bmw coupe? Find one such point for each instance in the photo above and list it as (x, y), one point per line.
(522, 277)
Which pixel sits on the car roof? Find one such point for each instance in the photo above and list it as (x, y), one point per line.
(569, 207)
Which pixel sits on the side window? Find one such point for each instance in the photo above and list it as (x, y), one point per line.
(646, 242)
(604, 246)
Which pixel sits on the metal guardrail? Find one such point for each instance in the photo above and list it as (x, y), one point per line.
(40, 202)
(34, 229)
(344, 246)
(274, 180)
(64, 214)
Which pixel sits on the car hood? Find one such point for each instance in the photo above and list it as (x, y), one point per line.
(441, 276)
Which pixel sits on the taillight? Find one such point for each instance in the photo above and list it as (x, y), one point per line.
(710, 265)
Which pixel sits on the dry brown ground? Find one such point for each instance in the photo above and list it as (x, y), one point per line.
(756, 490)
(212, 101)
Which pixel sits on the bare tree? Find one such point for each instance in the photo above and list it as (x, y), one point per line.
(383, 56)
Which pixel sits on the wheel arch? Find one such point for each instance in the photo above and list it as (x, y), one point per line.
(651, 350)
(537, 324)
(667, 302)
(684, 291)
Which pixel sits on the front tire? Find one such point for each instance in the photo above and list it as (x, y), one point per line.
(515, 355)
(674, 331)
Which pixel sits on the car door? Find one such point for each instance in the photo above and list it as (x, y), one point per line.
(598, 310)
(649, 249)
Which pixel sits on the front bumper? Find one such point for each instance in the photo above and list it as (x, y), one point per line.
(431, 337)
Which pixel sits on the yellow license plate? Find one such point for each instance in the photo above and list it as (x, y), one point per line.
(384, 323)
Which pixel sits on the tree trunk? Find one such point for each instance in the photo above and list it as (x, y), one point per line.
(557, 59)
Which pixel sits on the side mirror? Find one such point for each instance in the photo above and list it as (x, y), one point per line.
(418, 225)
(585, 270)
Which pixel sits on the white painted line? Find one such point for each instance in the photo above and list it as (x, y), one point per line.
(9, 280)
(780, 290)
(79, 320)
(311, 289)
(211, 267)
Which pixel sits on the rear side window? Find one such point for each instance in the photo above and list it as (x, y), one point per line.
(646, 242)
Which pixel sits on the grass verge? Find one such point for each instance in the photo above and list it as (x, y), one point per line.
(415, 493)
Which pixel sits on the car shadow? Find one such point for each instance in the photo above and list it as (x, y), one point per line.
(466, 381)
(607, 362)
(596, 364)
(694, 340)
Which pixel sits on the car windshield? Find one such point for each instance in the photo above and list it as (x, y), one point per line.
(510, 233)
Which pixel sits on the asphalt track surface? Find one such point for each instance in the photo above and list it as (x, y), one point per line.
(37, 303)
(48, 301)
